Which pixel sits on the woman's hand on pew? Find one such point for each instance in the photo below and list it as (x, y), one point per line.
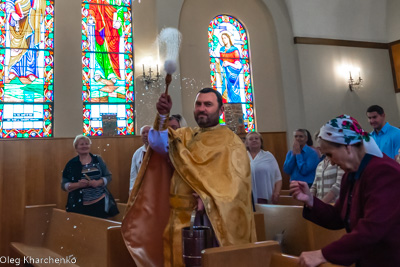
(311, 258)
(275, 198)
(299, 190)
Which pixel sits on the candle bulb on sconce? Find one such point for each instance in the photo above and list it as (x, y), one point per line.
(149, 77)
(355, 84)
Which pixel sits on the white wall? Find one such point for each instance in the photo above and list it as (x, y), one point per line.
(145, 33)
(289, 63)
(266, 69)
(325, 87)
(68, 108)
(361, 20)
(393, 20)
(150, 17)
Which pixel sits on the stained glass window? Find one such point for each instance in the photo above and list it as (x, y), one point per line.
(230, 69)
(107, 66)
(26, 68)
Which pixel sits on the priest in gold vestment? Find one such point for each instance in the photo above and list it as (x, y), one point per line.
(209, 168)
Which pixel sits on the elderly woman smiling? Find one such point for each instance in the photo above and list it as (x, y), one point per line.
(368, 206)
(85, 178)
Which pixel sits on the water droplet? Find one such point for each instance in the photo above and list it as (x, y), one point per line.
(74, 226)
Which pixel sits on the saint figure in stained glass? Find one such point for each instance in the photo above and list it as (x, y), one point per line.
(26, 68)
(230, 62)
(107, 66)
(230, 71)
(106, 21)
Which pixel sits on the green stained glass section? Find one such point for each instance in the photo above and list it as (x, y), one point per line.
(26, 68)
(107, 57)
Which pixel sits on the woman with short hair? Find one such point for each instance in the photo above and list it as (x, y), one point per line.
(85, 178)
(265, 174)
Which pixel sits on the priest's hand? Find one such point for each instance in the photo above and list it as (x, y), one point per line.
(164, 104)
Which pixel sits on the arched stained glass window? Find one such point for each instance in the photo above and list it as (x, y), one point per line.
(26, 68)
(230, 70)
(107, 62)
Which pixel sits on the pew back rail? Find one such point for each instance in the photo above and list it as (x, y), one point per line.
(75, 239)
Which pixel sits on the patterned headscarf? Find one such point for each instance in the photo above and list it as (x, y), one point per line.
(346, 130)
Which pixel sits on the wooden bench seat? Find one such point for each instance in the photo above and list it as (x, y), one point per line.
(45, 255)
(298, 234)
(284, 193)
(255, 254)
(120, 216)
(259, 254)
(289, 200)
(57, 234)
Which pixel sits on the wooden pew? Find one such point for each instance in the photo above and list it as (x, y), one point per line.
(117, 253)
(284, 193)
(319, 237)
(297, 233)
(284, 260)
(287, 221)
(120, 216)
(289, 200)
(255, 254)
(259, 254)
(58, 234)
(259, 223)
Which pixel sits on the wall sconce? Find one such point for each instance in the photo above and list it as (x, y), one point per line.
(355, 83)
(149, 77)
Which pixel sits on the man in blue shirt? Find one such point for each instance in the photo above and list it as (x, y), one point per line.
(386, 136)
(302, 161)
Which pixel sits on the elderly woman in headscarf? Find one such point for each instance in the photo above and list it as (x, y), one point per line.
(368, 206)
